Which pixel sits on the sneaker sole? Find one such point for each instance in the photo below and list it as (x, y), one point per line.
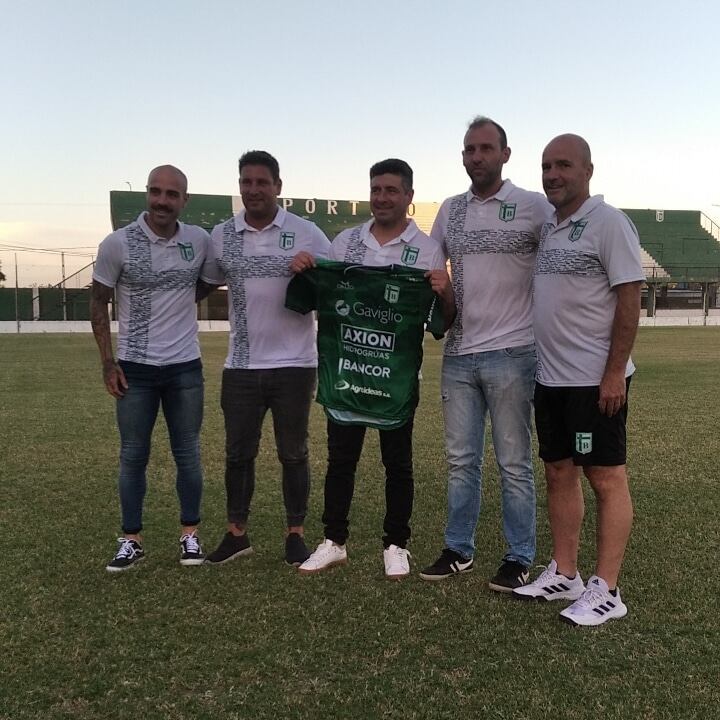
(315, 571)
(127, 567)
(435, 578)
(622, 612)
(547, 598)
(187, 562)
(397, 578)
(234, 556)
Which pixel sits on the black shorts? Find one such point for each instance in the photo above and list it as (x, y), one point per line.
(570, 425)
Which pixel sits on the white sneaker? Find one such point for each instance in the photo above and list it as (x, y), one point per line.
(327, 555)
(551, 585)
(397, 562)
(595, 606)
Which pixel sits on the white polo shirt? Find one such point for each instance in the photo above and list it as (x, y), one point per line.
(155, 279)
(579, 263)
(255, 265)
(491, 245)
(412, 248)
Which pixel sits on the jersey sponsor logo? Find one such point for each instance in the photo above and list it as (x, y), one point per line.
(363, 368)
(583, 443)
(342, 385)
(383, 315)
(344, 285)
(287, 240)
(342, 308)
(507, 211)
(410, 255)
(392, 293)
(368, 391)
(577, 230)
(374, 339)
(187, 252)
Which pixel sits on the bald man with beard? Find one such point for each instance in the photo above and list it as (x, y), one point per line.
(153, 265)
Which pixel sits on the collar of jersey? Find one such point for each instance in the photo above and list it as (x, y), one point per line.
(153, 237)
(278, 221)
(501, 195)
(585, 209)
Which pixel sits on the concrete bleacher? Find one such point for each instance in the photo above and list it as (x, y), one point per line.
(678, 243)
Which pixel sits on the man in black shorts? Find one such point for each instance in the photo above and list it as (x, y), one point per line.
(586, 309)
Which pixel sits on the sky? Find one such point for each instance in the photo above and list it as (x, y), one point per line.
(96, 93)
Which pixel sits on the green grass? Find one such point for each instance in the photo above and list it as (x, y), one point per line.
(252, 639)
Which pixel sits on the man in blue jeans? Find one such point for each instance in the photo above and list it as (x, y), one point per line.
(490, 234)
(154, 264)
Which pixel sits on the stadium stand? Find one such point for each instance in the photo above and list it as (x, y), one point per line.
(678, 242)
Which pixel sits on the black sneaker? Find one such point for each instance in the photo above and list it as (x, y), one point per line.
(190, 550)
(510, 575)
(296, 552)
(129, 553)
(230, 547)
(449, 563)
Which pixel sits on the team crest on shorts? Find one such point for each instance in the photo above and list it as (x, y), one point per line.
(392, 293)
(187, 252)
(287, 240)
(577, 230)
(410, 255)
(507, 211)
(583, 443)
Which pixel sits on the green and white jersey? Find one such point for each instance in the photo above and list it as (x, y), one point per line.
(371, 322)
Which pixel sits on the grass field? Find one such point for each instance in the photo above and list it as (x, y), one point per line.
(252, 639)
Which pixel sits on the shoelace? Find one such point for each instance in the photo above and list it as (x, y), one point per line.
(191, 544)
(592, 597)
(126, 549)
(545, 576)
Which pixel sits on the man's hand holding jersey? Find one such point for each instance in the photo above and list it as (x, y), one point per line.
(302, 261)
(442, 286)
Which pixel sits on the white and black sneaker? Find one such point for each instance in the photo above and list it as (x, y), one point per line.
(129, 553)
(551, 585)
(510, 575)
(595, 606)
(449, 563)
(191, 552)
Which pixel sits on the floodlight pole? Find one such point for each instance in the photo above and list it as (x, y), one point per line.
(17, 309)
(64, 295)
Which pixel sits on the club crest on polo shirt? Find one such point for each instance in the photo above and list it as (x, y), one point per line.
(577, 230)
(287, 240)
(507, 211)
(392, 293)
(187, 252)
(583, 443)
(410, 255)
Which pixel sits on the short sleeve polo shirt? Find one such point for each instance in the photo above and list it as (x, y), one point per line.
(255, 265)
(491, 245)
(412, 248)
(579, 263)
(155, 280)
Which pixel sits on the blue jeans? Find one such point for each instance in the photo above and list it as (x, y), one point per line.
(501, 383)
(179, 389)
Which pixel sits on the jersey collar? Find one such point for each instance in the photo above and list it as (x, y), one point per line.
(585, 209)
(154, 237)
(501, 195)
(277, 221)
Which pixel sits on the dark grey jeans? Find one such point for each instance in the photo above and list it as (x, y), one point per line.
(246, 396)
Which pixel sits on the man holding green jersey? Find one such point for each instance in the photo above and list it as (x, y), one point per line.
(388, 238)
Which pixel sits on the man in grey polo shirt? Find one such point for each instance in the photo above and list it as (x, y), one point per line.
(154, 264)
(586, 310)
(490, 234)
